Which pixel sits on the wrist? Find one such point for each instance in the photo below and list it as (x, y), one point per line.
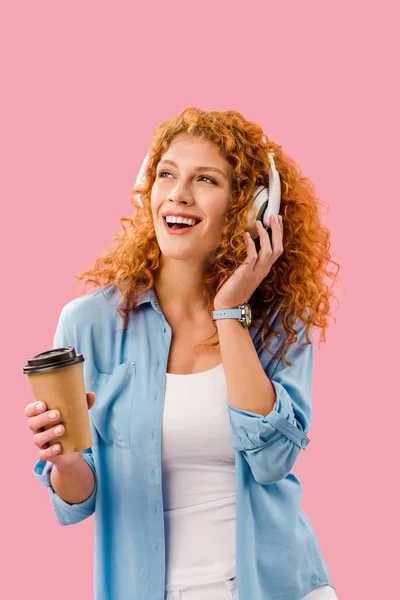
(220, 306)
(242, 313)
(69, 462)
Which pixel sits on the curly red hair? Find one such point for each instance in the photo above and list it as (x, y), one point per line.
(295, 282)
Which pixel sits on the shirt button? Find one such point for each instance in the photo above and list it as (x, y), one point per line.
(304, 442)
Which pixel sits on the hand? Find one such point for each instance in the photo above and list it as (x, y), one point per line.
(37, 419)
(239, 288)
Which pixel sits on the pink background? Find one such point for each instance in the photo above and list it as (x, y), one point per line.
(84, 85)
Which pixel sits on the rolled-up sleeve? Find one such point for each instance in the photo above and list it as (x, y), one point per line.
(66, 513)
(272, 443)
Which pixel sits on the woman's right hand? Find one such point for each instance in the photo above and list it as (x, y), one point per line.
(38, 419)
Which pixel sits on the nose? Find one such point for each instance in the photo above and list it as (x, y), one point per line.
(180, 193)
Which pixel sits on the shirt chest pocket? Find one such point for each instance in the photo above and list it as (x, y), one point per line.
(111, 413)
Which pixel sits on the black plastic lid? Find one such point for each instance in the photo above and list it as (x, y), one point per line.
(57, 358)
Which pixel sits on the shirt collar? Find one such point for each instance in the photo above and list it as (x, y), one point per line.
(148, 297)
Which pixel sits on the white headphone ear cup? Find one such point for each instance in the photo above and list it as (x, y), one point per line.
(260, 203)
(138, 199)
(267, 200)
(274, 190)
(141, 178)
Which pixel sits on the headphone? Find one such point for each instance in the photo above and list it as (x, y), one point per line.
(266, 199)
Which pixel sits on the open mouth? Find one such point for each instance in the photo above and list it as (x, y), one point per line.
(180, 226)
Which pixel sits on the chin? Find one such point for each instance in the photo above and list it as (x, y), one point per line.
(180, 249)
(175, 254)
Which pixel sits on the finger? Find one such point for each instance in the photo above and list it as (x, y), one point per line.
(39, 421)
(265, 245)
(277, 236)
(91, 398)
(49, 453)
(251, 251)
(34, 408)
(44, 437)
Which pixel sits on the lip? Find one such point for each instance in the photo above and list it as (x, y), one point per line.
(179, 231)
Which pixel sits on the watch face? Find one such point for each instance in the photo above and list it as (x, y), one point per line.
(246, 314)
(248, 317)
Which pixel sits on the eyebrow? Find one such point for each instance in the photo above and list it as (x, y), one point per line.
(196, 168)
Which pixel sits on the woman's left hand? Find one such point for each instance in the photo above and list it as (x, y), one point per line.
(240, 286)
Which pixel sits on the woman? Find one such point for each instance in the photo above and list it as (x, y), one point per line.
(193, 442)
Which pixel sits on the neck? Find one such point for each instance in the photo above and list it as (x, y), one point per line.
(180, 289)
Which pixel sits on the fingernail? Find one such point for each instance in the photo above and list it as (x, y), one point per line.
(58, 429)
(53, 414)
(39, 406)
(280, 219)
(55, 448)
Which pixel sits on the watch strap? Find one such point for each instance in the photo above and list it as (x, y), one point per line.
(228, 313)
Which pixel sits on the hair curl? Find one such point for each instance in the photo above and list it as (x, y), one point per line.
(295, 282)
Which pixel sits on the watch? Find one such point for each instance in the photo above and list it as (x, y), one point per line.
(242, 313)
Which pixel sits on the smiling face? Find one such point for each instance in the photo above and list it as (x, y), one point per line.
(193, 179)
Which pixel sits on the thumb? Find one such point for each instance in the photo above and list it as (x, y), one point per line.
(91, 398)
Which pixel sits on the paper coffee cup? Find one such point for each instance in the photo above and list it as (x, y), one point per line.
(56, 378)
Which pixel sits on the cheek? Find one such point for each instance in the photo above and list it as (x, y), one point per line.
(215, 223)
(154, 205)
(218, 219)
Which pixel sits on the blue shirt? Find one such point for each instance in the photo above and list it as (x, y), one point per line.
(277, 552)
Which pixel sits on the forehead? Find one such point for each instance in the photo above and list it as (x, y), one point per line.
(191, 148)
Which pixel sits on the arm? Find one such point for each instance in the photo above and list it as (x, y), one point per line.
(248, 387)
(73, 484)
(74, 493)
(268, 427)
(68, 513)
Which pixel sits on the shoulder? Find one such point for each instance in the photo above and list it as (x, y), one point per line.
(99, 303)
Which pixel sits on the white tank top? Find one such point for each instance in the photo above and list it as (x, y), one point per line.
(198, 471)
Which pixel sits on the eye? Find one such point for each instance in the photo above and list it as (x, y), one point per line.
(205, 177)
(160, 175)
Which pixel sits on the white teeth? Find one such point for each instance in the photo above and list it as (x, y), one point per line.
(171, 219)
